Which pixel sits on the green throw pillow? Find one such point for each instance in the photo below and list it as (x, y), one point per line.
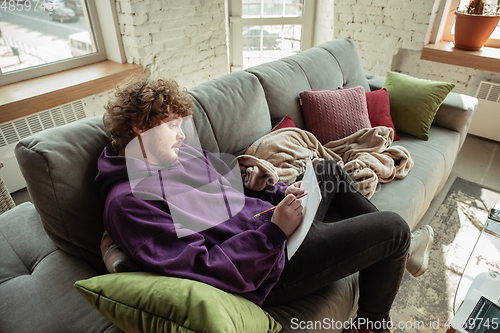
(414, 102)
(146, 302)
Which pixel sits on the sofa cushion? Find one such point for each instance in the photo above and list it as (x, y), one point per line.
(282, 82)
(147, 302)
(330, 305)
(36, 281)
(345, 54)
(335, 114)
(59, 166)
(320, 67)
(379, 109)
(414, 102)
(233, 103)
(433, 163)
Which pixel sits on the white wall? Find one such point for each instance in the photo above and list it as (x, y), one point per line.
(180, 39)
(390, 34)
(324, 23)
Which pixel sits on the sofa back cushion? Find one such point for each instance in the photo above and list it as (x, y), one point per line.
(328, 66)
(230, 112)
(59, 166)
(282, 83)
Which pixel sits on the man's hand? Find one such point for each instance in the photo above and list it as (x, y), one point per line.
(288, 214)
(294, 189)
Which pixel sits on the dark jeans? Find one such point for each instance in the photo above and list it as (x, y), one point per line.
(365, 240)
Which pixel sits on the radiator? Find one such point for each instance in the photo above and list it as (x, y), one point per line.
(13, 131)
(486, 120)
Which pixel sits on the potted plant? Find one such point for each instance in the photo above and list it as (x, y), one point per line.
(475, 24)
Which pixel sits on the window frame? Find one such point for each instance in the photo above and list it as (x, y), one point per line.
(237, 21)
(106, 37)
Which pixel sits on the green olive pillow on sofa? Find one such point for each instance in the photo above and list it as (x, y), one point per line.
(414, 102)
(147, 302)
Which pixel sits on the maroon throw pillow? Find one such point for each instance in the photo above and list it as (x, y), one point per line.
(379, 109)
(335, 114)
(284, 123)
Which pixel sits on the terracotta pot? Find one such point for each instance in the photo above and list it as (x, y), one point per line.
(472, 31)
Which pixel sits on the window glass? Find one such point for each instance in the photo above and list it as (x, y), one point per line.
(294, 8)
(270, 42)
(272, 8)
(36, 33)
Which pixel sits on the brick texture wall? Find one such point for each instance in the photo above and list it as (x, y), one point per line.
(180, 39)
(390, 34)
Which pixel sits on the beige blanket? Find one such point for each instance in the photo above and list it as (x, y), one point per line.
(366, 155)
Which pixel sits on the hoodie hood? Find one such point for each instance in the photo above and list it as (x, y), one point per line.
(112, 168)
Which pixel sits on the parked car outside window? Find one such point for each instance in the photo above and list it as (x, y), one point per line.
(63, 14)
(76, 6)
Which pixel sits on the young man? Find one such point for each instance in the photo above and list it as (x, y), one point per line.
(176, 210)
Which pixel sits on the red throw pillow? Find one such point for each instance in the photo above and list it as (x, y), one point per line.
(335, 114)
(284, 123)
(379, 109)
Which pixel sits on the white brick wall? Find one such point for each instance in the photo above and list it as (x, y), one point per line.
(390, 34)
(180, 39)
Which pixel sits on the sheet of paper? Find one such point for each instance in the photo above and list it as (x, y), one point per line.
(310, 203)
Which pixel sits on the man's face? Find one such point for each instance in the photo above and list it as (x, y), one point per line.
(161, 143)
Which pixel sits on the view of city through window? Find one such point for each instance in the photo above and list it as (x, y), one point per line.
(34, 33)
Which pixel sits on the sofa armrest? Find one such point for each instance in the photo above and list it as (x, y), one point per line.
(36, 280)
(456, 114)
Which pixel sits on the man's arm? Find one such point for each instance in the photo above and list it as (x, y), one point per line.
(146, 232)
(273, 194)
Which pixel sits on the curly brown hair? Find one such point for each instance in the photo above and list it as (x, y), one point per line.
(143, 103)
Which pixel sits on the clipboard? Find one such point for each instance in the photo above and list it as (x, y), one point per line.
(310, 204)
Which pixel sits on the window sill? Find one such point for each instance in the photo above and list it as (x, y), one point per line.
(27, 97)
(488, 58)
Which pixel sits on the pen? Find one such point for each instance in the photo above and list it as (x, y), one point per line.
(273, 208)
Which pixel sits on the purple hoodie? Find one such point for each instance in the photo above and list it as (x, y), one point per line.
(243, 255)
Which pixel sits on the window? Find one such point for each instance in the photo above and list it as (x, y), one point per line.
(40, 37)
(448, 22)
(266, 30)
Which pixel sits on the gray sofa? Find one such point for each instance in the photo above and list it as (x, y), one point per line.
(38, 266)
